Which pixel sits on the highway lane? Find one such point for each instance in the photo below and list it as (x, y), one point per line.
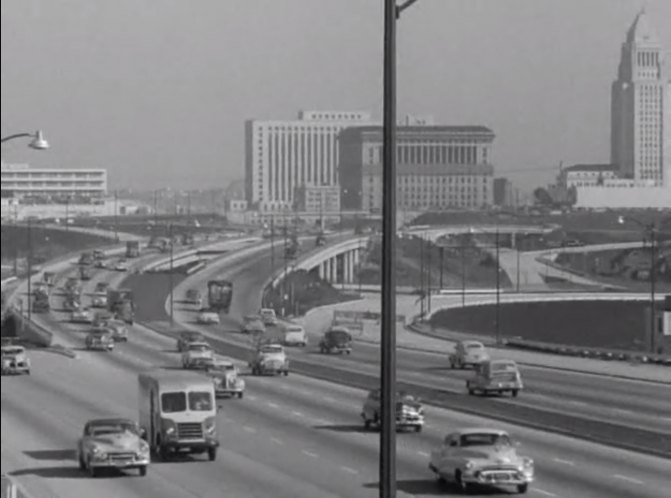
(633, 403)
(285, 447)
(304, 432)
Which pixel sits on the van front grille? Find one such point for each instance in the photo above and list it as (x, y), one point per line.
(190, 430)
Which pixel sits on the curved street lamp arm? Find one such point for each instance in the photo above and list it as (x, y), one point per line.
(403, 6)
(16, 135)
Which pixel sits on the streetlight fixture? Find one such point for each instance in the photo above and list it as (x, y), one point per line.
(651, 229)
(387, 460)
(38, 141)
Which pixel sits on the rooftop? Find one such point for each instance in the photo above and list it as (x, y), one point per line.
(592, 167)
(423, 129)
(641, 30)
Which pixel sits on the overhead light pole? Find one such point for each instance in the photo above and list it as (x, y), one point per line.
(171, 282)
(651, 230)
(387, 460)
(38, 142)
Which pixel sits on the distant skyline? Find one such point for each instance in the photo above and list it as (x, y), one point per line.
(158, 91)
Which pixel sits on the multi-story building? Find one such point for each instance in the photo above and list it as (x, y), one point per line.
(322, 199)
(641, 107)
(52, 185)
(503, 192)
(587, 175)
(438, 167)
(283, 155)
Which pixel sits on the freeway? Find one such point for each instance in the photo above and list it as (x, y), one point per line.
(293, 436)
(627, 403)
(289, 437)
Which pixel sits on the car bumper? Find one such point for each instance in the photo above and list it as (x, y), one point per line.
(228, 392)
(120, 463)
(15, 370)
(497, 477)
(409, 421)
(191, 445)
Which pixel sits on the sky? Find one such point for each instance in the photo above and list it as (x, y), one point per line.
(157, 91)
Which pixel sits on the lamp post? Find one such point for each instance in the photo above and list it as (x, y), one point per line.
(387, 460)
(650, 229)
(38, 142)
(497, 322)
(116, 216)
(172, 293)
(30, 268)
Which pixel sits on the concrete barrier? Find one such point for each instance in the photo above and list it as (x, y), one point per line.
(30, 331)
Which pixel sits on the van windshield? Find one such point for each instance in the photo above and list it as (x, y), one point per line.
(200, 401)
(173, 402)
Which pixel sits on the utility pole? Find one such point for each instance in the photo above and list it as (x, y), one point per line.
(421, 274)
(441, 262)
(172, 293)
(428, 274)
(116, 216)
(30, 268)
(498, 288)
(463, 275)
(653, 260)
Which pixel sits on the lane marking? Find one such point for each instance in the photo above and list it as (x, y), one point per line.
(276, 441)
(627, 478)
(273, 405)
(666, 419)
(328, 398)
(565, 462)
(249, 429)
(577, 403)
(423, 453)
(251, 398)
(298, 414)
(349, 469)
(621, 410)
(310, 454)
(543, 492)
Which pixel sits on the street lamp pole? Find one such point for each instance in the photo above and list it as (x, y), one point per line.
(30, 268)
(441, 262)
(428, 274)
(38, 141)
(463, 275)
(116, 216)
(171, 283)
(498, 288)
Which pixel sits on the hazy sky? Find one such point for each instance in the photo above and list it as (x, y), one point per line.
(157, 90)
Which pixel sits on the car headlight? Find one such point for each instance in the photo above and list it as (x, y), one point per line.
(169, 427)
(144, 448)
(527, 463)
(98, 453)
(210, 426)
(469, 465)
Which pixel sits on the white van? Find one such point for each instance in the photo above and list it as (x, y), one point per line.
(294, 335)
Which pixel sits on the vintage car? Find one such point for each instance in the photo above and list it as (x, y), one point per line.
(118, 329)
(99, 300)
(485, 457)
(336, 340)
(268, 317)
(193, 296)
(253, 324)
(112, 443)
(208, 316)
(100, 340)
(121, 265)
(269, 359)
(188, 337)
(101, 319)
(294, 335)
(197, 355)
(496, 376)
(409, 411)
(225, 376)
(468, 353)
(101, 264)
(15, 360)
(101, 287)
(71, 304)
(81, 315)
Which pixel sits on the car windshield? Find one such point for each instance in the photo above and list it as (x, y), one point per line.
(474, 345)
(484, 439)
(200, 348)
(200, 401)
(173, 402)
(503, 367)
(338, 336)
(113, 428)
(12, 351)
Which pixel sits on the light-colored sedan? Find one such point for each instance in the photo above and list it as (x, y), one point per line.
(99, 300)
(197, 355)
(15, 360)
(121, 265)
(81, 315)
(485, 457)
(208, 317)
(112, 443)
(468, 353)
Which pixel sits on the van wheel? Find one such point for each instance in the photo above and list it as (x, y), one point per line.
(522, 488)
(142, 471)
(514, 393)
(82, 465)
(212, 454)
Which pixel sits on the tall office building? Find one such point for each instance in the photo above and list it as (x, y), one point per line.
(283, 155)
(640, 108)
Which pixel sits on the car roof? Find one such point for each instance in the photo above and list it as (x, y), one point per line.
(472, 343)
(503, 362)
(110, 421)
(338, 328)
(200, 343)
(479, 430)
(10, 347)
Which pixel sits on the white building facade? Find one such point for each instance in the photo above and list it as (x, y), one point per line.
(641, 107)
(19, 181)
(283, 155)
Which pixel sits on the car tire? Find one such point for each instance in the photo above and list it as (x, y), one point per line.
(286, 373)
(366, 424)
(522, 488)
(240, 395)
(82, 464)
(93, 471)
(471, 391)
(418, 428)
(514, 393)
(142, 471)
(461, 485)
(212, 454)
(28, 372)
(349, 352)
